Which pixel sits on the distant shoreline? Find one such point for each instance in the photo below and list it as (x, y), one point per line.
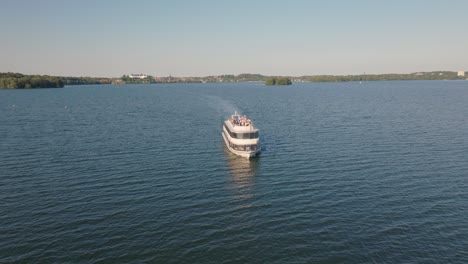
(21, 81)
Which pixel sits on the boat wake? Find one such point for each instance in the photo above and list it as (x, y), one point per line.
(222, 106)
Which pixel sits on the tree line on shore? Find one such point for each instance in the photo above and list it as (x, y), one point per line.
(20, 81)
(437, 75)
(11, 80)
(278, 81)
(128, 80)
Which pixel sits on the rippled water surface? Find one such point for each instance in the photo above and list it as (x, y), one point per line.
(350, 173)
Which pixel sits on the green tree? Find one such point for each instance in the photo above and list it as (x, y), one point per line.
(270, 81)
(278, 81)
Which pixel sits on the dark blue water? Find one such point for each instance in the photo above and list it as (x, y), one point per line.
(350, 173)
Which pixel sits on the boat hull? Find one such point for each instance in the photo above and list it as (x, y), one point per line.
(245, 154)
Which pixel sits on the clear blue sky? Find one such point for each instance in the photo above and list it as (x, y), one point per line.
(211, 37)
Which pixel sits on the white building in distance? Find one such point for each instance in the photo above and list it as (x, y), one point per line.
(461, 73)
(138, 76)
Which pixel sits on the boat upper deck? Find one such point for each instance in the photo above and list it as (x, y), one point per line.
(240, 123)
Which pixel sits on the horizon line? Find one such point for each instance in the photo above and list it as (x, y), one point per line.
(265, 75)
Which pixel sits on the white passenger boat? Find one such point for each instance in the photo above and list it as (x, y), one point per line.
(241, 136)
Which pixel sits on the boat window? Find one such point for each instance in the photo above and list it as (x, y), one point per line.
(244, 147)
(242, 135)
(247, 135)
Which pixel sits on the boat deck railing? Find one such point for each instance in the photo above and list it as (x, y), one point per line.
(238, 120)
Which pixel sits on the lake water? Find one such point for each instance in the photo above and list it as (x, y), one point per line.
(350, 173)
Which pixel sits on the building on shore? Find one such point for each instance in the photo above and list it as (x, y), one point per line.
(461, 73)
(138, 76)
